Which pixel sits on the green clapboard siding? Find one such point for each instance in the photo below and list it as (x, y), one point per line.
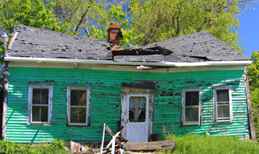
(106, 101)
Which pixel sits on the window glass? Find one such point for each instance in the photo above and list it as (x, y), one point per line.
(78, 115)
(137, 109)
(223, 111)
(40, 96)
(40, 113)
(191, 114)
(44, 113)
(222, 95)
(36, 96)
(35, 113)
(192, 98)
(78, 97)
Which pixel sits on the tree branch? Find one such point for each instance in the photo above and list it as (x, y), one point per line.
(83, 16)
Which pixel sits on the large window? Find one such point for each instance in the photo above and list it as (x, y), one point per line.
(40, 104)
(191, 106)
(222, 104)
(78, 103)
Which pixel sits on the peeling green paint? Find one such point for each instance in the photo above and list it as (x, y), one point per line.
(106, 101)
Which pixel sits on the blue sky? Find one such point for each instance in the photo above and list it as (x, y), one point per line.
(249, 30)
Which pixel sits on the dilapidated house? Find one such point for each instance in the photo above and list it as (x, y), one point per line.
(65, 87)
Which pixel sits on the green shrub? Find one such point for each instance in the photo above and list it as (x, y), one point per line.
(56, 147)
(196, 144)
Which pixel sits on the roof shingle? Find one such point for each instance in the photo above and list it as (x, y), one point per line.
(196, 47)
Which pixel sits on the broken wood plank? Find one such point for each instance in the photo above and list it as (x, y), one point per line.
(111, 133)
(117, 134)
(101, 151)
(150, 146)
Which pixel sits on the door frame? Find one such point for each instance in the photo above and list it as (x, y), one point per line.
(124, 108)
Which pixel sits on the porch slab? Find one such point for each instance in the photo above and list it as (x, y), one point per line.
(150, 146)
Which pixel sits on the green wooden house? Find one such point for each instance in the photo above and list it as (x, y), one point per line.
(65, 87)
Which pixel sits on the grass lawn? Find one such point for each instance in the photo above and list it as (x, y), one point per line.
(196, 144)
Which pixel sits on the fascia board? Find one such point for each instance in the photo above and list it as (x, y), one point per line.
(172, 64)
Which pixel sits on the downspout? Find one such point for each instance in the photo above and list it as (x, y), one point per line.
(249, 107)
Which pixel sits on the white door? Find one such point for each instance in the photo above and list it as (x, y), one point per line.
(137, 118)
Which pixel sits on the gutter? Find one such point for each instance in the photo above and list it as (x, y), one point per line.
(172, 64)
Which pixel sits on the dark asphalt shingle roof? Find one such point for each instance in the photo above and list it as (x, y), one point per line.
(39, 43)
(196, 47)
(201, 46)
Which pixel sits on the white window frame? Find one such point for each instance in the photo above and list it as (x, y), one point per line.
(184, 90)
(88, 93)
(30, 105)
(215, 88)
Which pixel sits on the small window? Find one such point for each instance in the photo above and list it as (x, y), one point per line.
(137, 108)
(222, 104)
(191, 100)
(78, 103)
(40, 104)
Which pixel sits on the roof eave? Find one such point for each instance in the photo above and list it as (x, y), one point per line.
(168, 64)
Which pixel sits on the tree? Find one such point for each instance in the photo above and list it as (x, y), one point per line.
(253, 76)
(115, 14)
(73, 12)
(165, 19)
(30, 13)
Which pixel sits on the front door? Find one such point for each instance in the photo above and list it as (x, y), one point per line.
(137, 118)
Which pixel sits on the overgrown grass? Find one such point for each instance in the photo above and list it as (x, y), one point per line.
(56, 147)
(196, 144)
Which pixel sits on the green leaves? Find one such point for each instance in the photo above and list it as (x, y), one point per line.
(165, 19)
(143, 22)
(103, 16)
(30, 13)
(253, 76)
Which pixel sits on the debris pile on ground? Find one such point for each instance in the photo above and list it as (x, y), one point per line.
(77, 147)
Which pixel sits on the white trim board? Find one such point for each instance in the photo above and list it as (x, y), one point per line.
(121, 67)
(168, 64)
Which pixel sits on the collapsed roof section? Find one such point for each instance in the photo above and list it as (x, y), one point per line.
(197, 47)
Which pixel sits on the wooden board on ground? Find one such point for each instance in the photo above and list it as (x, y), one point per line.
(149, 146)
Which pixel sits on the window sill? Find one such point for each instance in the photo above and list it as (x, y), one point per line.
(221, 122)
(77, 125)
(184, 125)
(38, 124)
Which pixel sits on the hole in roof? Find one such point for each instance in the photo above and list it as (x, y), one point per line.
(64, 57)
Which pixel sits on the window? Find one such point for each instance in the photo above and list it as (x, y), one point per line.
(222, 104)
(137, 108)
(78, 104)
(191, 106)
(40, 104)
